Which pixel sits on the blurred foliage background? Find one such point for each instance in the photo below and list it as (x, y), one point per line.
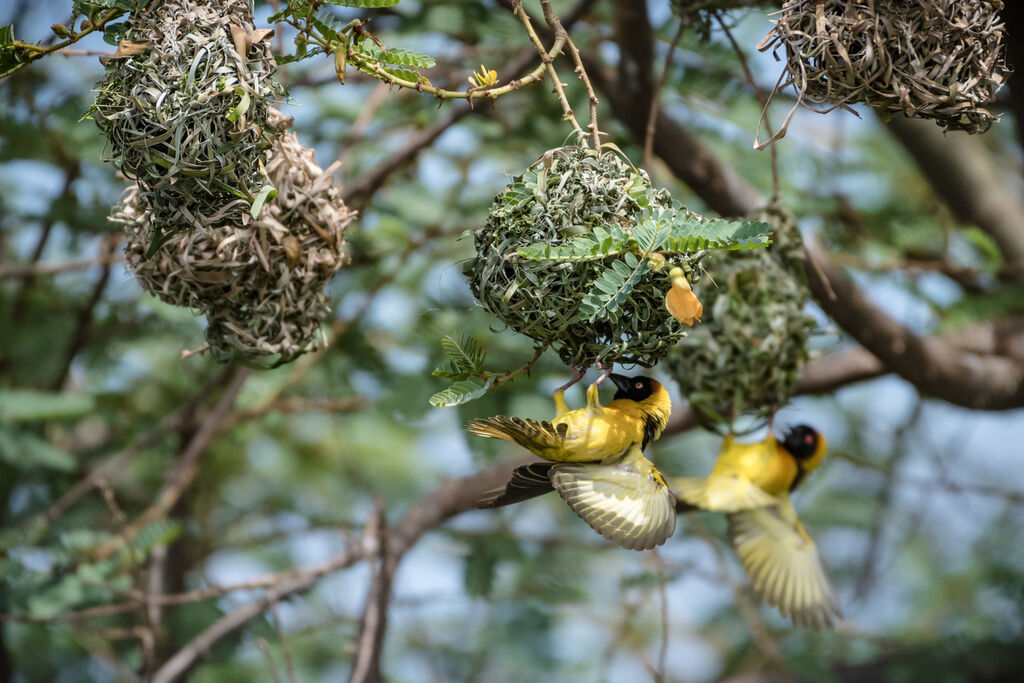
(918, 512)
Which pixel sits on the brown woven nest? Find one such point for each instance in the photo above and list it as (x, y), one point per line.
(260, 285)
(185, 109)
(934, 59)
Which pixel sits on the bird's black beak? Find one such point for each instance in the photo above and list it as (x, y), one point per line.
(622, 383)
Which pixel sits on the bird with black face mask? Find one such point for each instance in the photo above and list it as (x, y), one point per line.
(595, 461)
(752, 483)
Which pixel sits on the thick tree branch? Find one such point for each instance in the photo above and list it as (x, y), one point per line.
(934, 366)
(964, 175)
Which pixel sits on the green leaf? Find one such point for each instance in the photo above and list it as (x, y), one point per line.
(396, 56)
(466, 357)
(10, 59)
(367, 4)
(27, 405)
(26, 451)
(113, 33)
(651, 232)
(461, 392)
(601, 243)
(611, 289)
(692, 232)
(266, 193)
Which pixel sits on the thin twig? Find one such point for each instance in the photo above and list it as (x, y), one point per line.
(652, 117)
(552, 20)
(761, 98)
(81, 332)
(548, 58)
(37, 269)
(184, 473)
(373, 623)
(286, 651)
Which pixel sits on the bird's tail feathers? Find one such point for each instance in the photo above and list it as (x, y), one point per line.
(528, 481)
(530, 434)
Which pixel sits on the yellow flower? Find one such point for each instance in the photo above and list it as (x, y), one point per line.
(483, 79)
(681, 302)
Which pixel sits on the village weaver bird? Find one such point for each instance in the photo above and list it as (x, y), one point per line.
(595, 461)
(752, 483)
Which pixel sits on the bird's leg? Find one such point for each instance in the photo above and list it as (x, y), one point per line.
(607, 371)
(560, 407)
(593, 402)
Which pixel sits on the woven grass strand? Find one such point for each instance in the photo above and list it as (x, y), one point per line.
(933, 59)
(568, 192)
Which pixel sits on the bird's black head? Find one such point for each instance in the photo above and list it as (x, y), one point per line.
(803, 442)
(635, 388)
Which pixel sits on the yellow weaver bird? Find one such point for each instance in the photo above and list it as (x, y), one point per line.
(752, 483)
(596, 461)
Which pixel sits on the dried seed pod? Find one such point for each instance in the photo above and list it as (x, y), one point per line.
(746, 355)
(185, 108)
(569, 192)
(260, 285)
(935, 59)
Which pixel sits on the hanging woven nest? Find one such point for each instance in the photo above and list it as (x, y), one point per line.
(934, 59)
(185, 109)
(569, 192)
(746, 355)
(260, 285)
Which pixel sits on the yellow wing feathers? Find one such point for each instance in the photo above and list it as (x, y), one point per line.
(599, 467)
(751, 483)
(784, 566)
(721, 494)
(627, 502)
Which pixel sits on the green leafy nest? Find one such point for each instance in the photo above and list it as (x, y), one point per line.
(568, 193)
(187, 117)
(746, 355)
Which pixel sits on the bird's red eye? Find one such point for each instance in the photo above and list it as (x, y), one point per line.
(638, 385)
(809, 439)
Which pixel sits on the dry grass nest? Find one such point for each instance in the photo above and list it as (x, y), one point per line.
(746, 355)
(186, 109)
(260, 285)
(935, 59)
(567, 193)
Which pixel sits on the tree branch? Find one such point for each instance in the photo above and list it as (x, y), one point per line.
(963, 173)
(451, 498)
(184, 473)
(373, 623)
(935, 367)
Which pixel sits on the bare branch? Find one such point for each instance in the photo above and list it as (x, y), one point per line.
(451, 498)
(373, 623)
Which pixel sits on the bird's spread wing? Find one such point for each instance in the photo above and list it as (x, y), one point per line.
(530, 434)
(784, 566)
(721, 493)
(619, 501)
(528, 481)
